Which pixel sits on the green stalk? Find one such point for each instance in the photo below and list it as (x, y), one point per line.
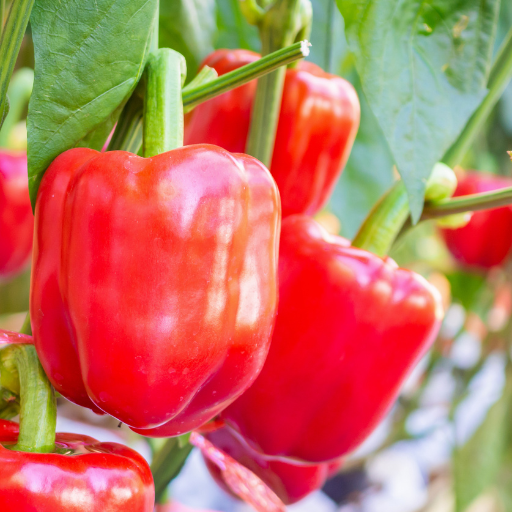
(167, 464)
(10, 44)
(278, 28)
(163, 107)
(276, 60)
(22, 374)
(20, 89)
(471, 203)
(203, 87)
(499, 78)
(388, 216)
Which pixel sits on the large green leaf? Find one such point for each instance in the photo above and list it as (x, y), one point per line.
(89, 57)
(188, 26)
(423, 66)
(368, 174)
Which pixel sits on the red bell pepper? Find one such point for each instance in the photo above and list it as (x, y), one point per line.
(486, 241)
(16, 219)
(82, 474)
(317, 126)
(153, 290)
(350, 326)
(290, 482)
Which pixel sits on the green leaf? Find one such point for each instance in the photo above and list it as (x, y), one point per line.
(89, 57)
(477, 464)
(233, 31)
(188, 26)
(424, 67)
(368, 173)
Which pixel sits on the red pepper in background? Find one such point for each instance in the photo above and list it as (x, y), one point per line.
(82, 474)
(153, 290)
(317, 126)
(484, 242)
(290, 482)
(350, 326)
(16, 219)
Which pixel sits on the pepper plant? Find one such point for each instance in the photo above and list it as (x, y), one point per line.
(183, 162)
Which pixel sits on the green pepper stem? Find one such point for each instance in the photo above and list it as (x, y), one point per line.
(470, 203)
(127, 135)
(500, 76)
(380, 228)
(167, 463)
(163, 106)
(388, 216)
(20, 89)
(22, 373)
(10, 44)
(196, 95)
(278, 28)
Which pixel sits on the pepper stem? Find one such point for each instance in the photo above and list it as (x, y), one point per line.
(276, 60)
(22, 374)
(388, 216)
(128, 133)
(279, 26)
(10, 44)
(163, 106)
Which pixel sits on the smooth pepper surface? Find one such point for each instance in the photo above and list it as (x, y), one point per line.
(81, 475)
(350, 326)
(318, 122)
(291, 482)
(486, 241)
(16, 218)
(153, 291)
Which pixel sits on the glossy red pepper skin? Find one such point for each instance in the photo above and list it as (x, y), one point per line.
(16, 218)
(350, 326)
(291, 482)
(91, 477)
(317, 126)
(154, 283)
(486, 241)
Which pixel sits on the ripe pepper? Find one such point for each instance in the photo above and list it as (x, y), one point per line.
(350, 326)
(318, 122)
(153, 291)
(486, 241)
(16, 219)
(82, 474)
(290, 482)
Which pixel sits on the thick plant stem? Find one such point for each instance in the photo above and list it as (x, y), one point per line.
(278, 27)
(10, 43)
(500, 76)
(22, 373)
(388, 216)
(282, 57)
(167, 463)
(128, 134)
(163, 106)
